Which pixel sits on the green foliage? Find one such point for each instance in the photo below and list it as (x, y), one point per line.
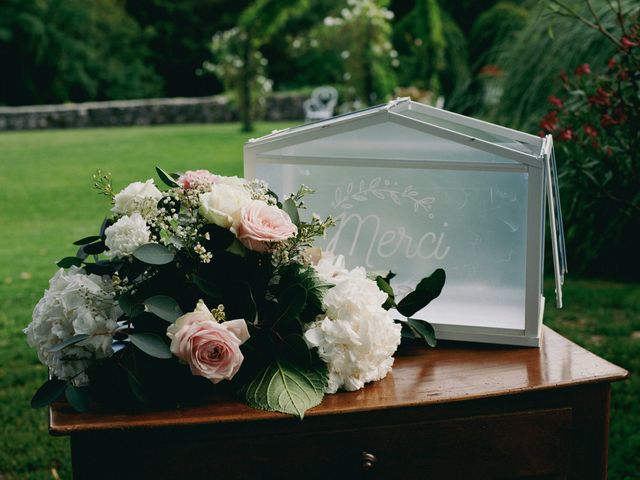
(532, 59)
(595, 122)
(287, 388)
(72, 50)
(357, 44)
(164, 307)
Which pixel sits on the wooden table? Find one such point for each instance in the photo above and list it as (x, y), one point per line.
(457, 411)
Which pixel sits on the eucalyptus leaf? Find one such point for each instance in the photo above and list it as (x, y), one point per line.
(208, 288)
(48, 392)
(154, 254)
(151, 344)
(136, 387)
(68, 262)
(237, 248)
(428, 289)
(78, 397)
(167, 178)
(286, 388)
(68, 342)
(87, 240)
(129, 306)
(289, 206)
(164, 307)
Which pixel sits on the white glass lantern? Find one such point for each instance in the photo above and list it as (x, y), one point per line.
(414, 188)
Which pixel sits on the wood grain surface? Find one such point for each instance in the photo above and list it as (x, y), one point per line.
(450, 373)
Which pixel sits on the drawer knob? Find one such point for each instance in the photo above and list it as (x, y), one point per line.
(368, 461)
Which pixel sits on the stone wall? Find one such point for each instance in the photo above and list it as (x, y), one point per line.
(156, 111)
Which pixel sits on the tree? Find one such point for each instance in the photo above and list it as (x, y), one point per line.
(72, 50)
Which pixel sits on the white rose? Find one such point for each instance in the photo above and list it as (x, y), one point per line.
(75, 303)
(136, 197)
(126, 235)
(357, 338)
(223, 203)
(233, 181)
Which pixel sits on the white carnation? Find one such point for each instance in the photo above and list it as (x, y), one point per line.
(75, 303)
(139, 197)
(330, 266)
(222, 204)
(126, 235)
(357, 338)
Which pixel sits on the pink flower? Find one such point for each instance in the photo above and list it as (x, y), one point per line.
(260, 223)
(583, 69)
(198, 178)
(555, 101)
(211, 349)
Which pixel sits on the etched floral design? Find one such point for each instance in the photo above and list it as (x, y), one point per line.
(383, 190)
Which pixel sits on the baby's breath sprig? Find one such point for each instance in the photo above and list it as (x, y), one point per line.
(103, 183)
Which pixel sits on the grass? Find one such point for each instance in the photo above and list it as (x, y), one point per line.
(46, 202)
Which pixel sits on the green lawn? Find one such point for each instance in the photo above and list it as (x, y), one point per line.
(46, 202)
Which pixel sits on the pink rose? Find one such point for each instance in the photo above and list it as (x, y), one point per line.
(198, 178)
(260, 223)
(211, 349)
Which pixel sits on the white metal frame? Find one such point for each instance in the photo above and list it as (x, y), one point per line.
(539, 182)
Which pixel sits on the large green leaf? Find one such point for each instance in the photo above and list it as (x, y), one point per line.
(286, 388)
(48, 392)
(164, 307)
(78, 397)
(383, 285)
(68, 342)
(87, 240)
(151, 344)
(153, 254)
(428, 289)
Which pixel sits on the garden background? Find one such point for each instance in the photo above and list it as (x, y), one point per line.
(567, 68)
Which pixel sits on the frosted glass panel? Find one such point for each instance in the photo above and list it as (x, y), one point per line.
(387, 141)
(472, 132)
(471, 223)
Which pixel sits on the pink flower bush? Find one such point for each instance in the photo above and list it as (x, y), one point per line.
(260, 223)
(211, 349)
(197, 178)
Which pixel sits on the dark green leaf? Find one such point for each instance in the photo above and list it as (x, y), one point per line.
(94, 248)
(154, 254)
(383, 285)
(166, 178)
(67, 262)
(68, 342)
(284, 387)
(209, 288)
(48, 393)
(237, 248)
(424, 330)
(81, 254)
(219, 238)
(87, 240)
(289, 206)
(99, 269)
(78, 397)
(151, 344)
(298, 350)
(129, 306)
(292, 302)
(164, 307)
(136, 386)
(428, 289)
(106, 223)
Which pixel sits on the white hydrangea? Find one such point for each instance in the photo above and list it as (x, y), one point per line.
(75, 303)
(141, 197)
(357, 338)
(126, 235)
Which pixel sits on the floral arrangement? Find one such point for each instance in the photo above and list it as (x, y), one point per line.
(214, 285)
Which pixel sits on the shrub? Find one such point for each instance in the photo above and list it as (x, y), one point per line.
(595, 121)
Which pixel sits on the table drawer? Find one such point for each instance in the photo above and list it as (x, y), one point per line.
(531, 444)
